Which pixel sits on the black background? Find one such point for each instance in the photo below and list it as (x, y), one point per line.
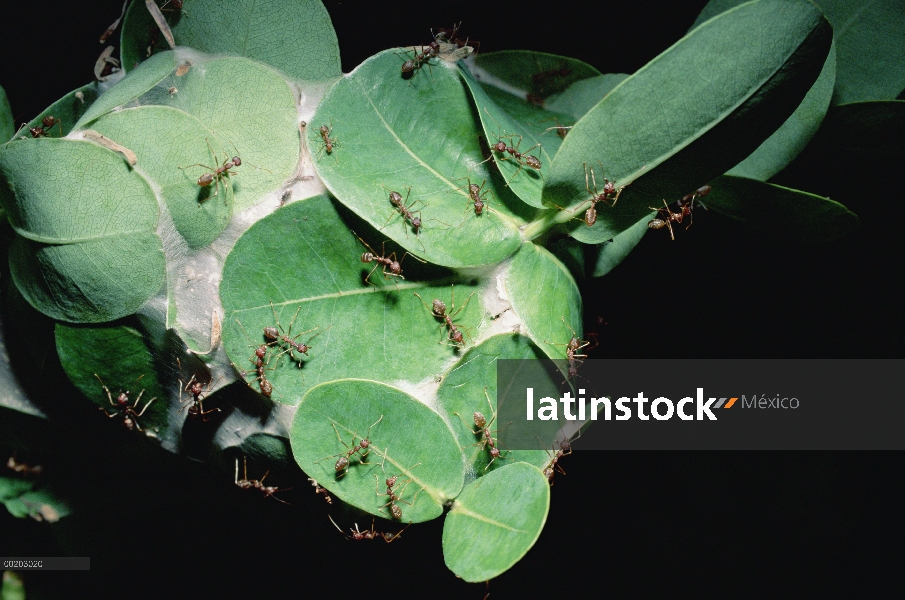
(621, 524)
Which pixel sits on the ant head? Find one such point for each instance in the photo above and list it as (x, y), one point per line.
(434, 46)
(325, 130)
(499, 147)
(261, 351)
(395, 268)
(416, 223)
(609, 188)
(364, 443)
(494, 452)
(123, 398)
(237, 161)
(196, 389)
(457, 337)
(532, 161)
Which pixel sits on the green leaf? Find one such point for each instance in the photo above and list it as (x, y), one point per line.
(582, 96)
(788, 141)
(27, 498)
(75, 266)
(319, 286)
(756, 61)
(7, 122)
(526, 72)
(164, 139)
(614, 252)
(92, 281)
(779, 212)
(546, 319)
(256, 120)
(542, 122)
(67, 110)
(498, 126)
(85, 352)
(406, 438)
(12, 588)
(393, 134)
(136, 83)
(870, 41)
(462, 393)
(495, 521)
(294, 36)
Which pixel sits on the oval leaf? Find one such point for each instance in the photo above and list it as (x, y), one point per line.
(382, 144)
(165, 139)
(582, 96)
(788, 141)
(547, 321)
(320, 291)
(406, 439)
(139, 81)
(85, 352)
(462, 392)
(495, 521)
(759, 61)
(780, 212)
(7, 124)
(614, 252)
(89, 282)
(295, 36)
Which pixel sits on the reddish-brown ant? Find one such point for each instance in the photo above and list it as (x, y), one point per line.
(686, 205)
(44, 128)
(195, 389)
(572, 347)
(20, 467)
(327, 142)
(216, 173)
(257, 359)
(318, 489)
(368, 534)
(258, 484)
(395, 511)
(522, 158)
(565, 449)
(275, 336)
(609, 195)
(487, 440)
(128, 413)
(561, 130)
(476, 194)
(438, 310)
(388, 262)
(415, 63)
(363, 444)
(404, 209)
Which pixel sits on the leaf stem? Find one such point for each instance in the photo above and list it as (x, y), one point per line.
(552, 218)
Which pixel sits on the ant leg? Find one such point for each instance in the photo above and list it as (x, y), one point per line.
(109, 397)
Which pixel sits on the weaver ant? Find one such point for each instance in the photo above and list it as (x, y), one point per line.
(476, 194)
(128, 413)
(318, 489)
(572, 347)
(388, 262)
(438, 310)
(413, 64)
(565, 449)
(23, 468)
(327, 142)
(606, 196)
(275, 336)
(368, 534)
(257, 359)
(258, 484)
(395, 511)
(522, 158)
(44, 128)
(686, 206)
(363, 444)
(216, 173)
(194, 402)
(487, 441)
